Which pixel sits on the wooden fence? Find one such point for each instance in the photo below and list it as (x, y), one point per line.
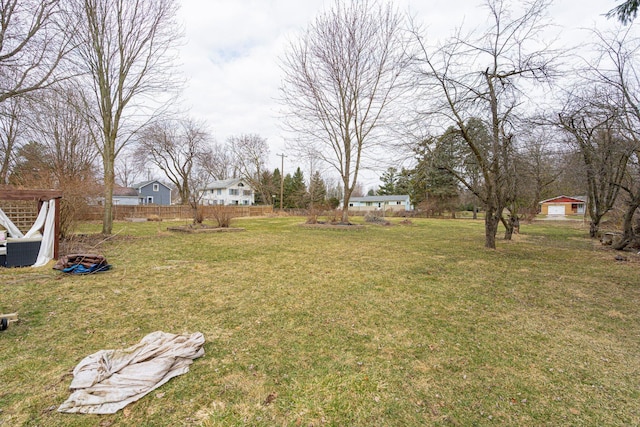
(120, 213)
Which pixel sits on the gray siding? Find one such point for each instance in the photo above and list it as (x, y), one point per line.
(160, 197)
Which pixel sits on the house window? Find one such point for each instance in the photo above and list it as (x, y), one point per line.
(398, 203)
(246, 192)
(149, 200)
(212, 191)
(245, 202)
(234, 192)
(219, 191)
(350, 205)
(240, 184)
(156, 187)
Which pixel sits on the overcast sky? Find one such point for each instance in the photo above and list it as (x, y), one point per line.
(231, 51)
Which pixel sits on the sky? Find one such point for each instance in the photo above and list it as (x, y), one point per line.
(231, 51)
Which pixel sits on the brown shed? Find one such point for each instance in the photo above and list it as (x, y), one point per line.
(563, 205)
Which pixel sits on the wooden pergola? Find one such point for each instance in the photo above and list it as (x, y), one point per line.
(40, 196)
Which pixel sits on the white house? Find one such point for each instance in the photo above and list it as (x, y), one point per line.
(374, 203)
(234, 191)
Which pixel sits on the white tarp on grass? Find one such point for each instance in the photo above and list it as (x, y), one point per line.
(107, 381)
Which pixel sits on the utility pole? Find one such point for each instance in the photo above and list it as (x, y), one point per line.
(282, 156)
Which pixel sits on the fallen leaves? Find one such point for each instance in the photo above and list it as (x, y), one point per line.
(269, 399)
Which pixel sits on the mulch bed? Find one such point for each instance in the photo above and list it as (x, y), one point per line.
(333, 226)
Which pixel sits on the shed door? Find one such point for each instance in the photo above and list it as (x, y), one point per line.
(556, 209)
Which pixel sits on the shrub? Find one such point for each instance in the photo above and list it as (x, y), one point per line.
(334, 216)
(222, 216)
(372, 217)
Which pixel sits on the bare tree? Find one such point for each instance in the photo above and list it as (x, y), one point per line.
(34, 38)
(68, 153)
(11, 128)
(592, 117)
(631, 186)
(126, 169)
(340, 80)
(250, 153)
(197, 181)
(124, 49)
(217, 161)
(175, 147)
(58, 124)
(486, 76)
(539, 167)
(617, 67)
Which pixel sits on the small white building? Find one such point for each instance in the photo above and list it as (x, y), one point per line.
(234, 191)
(124, 196)
(381, 203)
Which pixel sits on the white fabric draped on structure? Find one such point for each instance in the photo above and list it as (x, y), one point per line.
(107, 381)
(46, 218)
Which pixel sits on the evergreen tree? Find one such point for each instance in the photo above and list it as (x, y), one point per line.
(435, 184)
(389, 179)
(288, 189)
(276, 183)
(404, 182)
(298, 190)
(317, 191)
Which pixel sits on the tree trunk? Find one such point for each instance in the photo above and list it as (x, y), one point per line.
(491, 221)
(107, 219)
(594, 226)
(197, 213)
(508, 227)
(345, 206)
(345, 212)
(628, 235)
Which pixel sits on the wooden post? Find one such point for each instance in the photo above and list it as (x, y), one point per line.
(56, 229)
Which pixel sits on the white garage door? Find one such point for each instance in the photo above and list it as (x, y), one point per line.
(556, 209)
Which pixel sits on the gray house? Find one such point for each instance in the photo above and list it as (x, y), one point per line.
(384, 203)
(153, 193)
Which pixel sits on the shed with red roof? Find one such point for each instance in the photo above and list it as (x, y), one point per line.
(564, 205)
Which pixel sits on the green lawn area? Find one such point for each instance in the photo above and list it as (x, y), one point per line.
(407, 325)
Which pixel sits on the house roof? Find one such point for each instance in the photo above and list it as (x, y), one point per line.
(145, 183)
(393, 198)
(224, 183)
(566, 199)
(120, 191)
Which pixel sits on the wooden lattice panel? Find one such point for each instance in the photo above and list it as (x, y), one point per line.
(22, 213)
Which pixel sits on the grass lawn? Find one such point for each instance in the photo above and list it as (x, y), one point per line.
(408, 325)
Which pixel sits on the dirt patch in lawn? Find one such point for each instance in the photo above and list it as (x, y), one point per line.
(203, 229)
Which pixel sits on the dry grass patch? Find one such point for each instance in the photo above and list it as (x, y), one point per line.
(403, 326)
